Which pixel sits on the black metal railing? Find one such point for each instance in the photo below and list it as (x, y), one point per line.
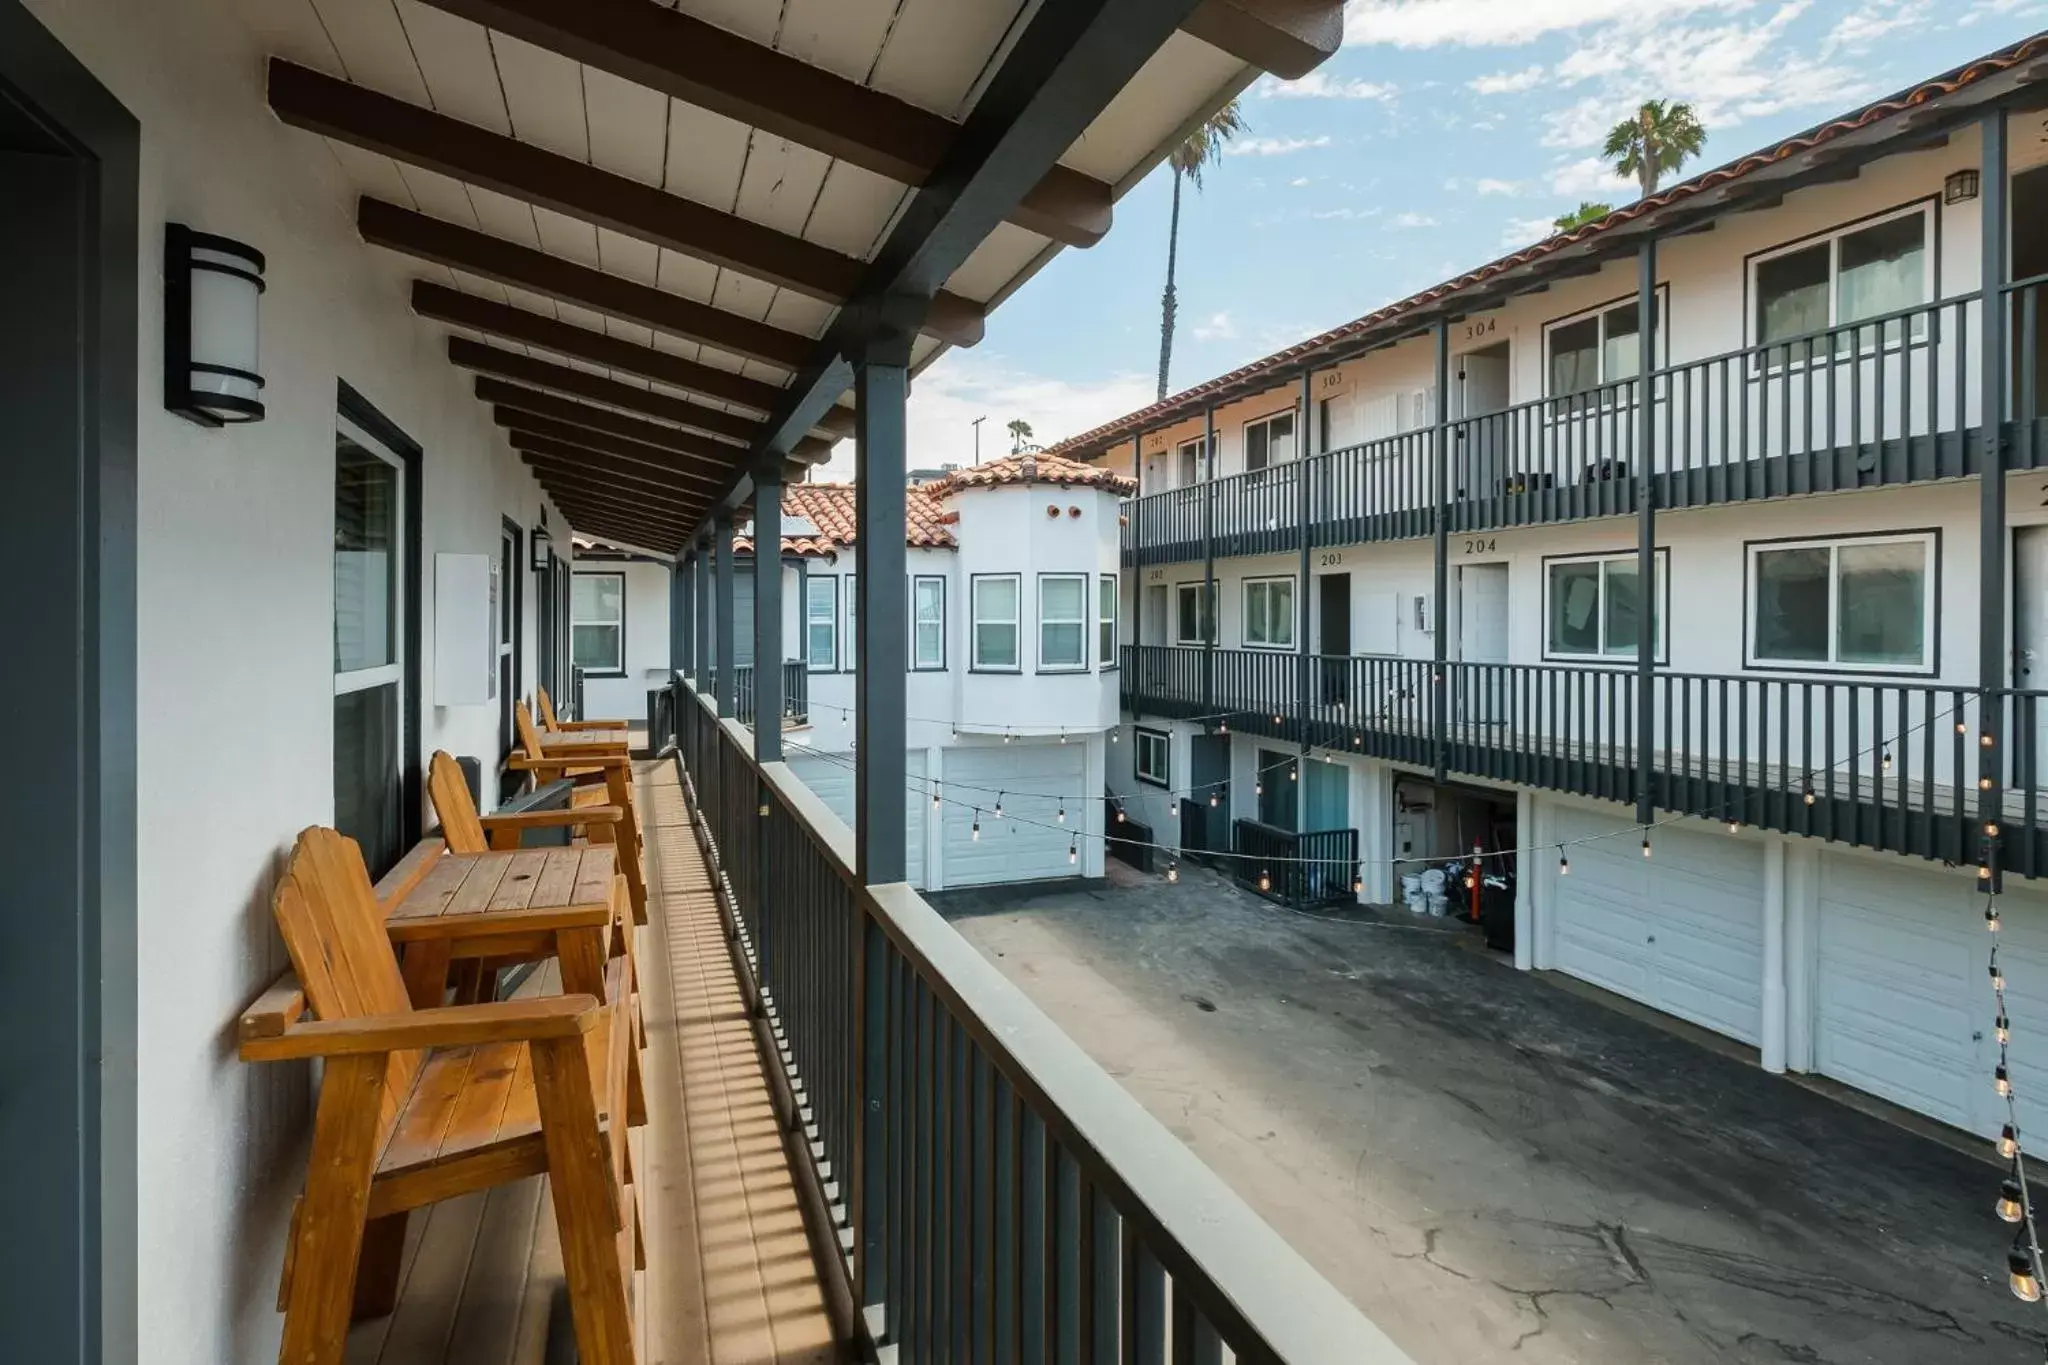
(1298, 870)
(1882, 763)
(1885, 400)
(1002, 1197)
(2027, 400)
(796, 692)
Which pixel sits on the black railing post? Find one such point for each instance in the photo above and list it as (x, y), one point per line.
(768, 612)
(722, 613)
(1647, 600)
(1137, 540)
(701, 657)
(1439, 709)
(1206, 604)
(1301, 592)
(679, 612)
(1992, 658)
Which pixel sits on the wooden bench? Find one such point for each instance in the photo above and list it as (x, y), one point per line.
(418, 1106)
(603, 773)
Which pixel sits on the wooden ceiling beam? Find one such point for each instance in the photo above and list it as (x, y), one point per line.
(673, 522)
(689, 468)
(496, 360)
(1289, 38)
(652, 494)
(494, 258)
(716, 69)
(600, 529)
(334, 108)
(442, 304)
(566, 410)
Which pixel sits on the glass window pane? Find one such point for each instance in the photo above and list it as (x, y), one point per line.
(1574, 357)
(1574, 599)
(1189, 625)
(596, 648)
(365, 558)
(995, 599)
(1280, 438)
(1061, 598)
(1255, 453)
(1105, 618)
(1792, 604)
(1621, 343)
(1060, 645)
(1280, 612)
(930, 600)
(1883, 269)
(1621, 602)
(995, 646)
(367, 792)
(598, 597)
(1881, 611)
(1792, 294)
(1255, 613)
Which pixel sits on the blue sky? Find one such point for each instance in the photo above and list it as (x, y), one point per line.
(1444, 133)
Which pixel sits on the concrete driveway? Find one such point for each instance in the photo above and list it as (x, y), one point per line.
(1495, 1167)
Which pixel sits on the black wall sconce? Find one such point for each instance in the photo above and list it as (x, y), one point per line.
(213, 291)
(543, 544)
(1960, 187)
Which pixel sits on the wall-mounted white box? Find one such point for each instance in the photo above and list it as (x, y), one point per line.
(465, 630)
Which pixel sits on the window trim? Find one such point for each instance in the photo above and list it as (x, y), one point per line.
(1244, 444)
(1661, 343)
(1107, 657)
(1196, 584)
(1662, 568)
(831, 580)
(848, 637)
(915, 580)
(574, 622)
(1139, 736)
(1202, 469)
(974, 622)
(1245, 613)
(1929, 536)
(1927, 205)
(1086, 622)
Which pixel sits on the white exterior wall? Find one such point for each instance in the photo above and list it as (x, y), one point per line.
(235, 645)
(624, 697)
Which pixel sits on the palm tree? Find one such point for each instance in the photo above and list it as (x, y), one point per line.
(1586, 212)
(1203, 148)
(1020, 432)
(1655, 142)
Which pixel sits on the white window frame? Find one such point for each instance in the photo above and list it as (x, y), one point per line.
(1244, 440)
(1660, 341)
(1267, 581)
(849, 631)
(1660, 591)
(1109, 590)
(381, 675)
(1194, 586)
(1148, 741)
(828, 619)
(1930, 543)
(1083, 621)
(575, 621)
(1181, 452)
(1832, 240)
(976, 621)
(919, 663)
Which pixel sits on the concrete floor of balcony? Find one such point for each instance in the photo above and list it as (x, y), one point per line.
(730, 1278)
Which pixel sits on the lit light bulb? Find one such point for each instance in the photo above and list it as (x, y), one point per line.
(1265, 882)
(1887, 760)
(1063, 815)
(1212, 799)
(2011, 1206)
(1991, 921)
(1112, 737)
(1983, 874)
(1357, 884)
(1961, 728)
(1173, 872)
(2008, 1142)
(1734, 826)
(1006, 736)
(1173, 808)
(1294, 775)
(2001, 1082)
(935, 798)
(2026, 1286)
(977, 826)
(2001, 1029)
(1223, 727)
(1984, 784)
(999, 805)
(1073, 854)
(1276, 717)
(1119, 814)
(1564, 864)
(1258, 789)
(1809, 796)
(1997, 979)
(1986, 740)
(1991, 831)
(1646, 845)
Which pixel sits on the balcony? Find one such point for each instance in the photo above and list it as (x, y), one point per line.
(1877, 763)
(974, 1183)
(1890, 400)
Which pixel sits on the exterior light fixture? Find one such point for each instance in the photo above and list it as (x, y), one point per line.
(543, 544)
(1961, 186)
(2011, 1206)
(2026, 1285)
(213, 287)
(2008, 1142)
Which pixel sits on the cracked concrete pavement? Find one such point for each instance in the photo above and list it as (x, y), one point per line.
(1495, 1168)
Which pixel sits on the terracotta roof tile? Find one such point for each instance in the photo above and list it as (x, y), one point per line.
(829, 507)
(1181, 404)
(1038, 467)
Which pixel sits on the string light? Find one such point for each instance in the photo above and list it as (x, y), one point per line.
(1063, 815)
(2008, 1142)
(935, 796)
(977, 826)
(1734, 826)
(2001, 1082)
(1646, 843)
(1564, 864)
(1809, 796)
(1265, 881)
(1997, 984)
(1073, 852)
(999, 805)
(1119, 812)
(1173, 872)
(2011, 1206)
(2001, 1028)
(1887, 760)
(2026, 1285)
(1991, 920)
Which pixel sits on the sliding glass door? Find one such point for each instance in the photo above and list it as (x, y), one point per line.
(371, 578)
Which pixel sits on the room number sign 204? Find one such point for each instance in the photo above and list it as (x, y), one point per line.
(1479, 545)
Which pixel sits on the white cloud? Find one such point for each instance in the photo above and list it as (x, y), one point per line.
(1506, 187)
(1346, 215)
(1505, 23)
(1219, 327)
(1590, 178)
(1321, 85)
(1298, 182)
(1273, 146)
(1868, 22)
(1508, 82)
(1411, 220)
(1521, 232)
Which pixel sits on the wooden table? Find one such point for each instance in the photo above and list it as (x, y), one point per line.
(570, 744)
(526, 904)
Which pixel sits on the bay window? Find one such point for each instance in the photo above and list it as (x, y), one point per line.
(996, 600)
(1062, 622)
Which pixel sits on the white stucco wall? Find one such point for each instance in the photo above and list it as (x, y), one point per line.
(235, 636)
(624, 697)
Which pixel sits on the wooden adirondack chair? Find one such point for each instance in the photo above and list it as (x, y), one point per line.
(604, 777)
(553, 722)
(465, 831)
(423, 1105)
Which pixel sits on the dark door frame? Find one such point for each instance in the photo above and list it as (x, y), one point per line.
(514, 604)
(67, 837)
(351, 404)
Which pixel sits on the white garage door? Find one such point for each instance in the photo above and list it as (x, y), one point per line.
(832, 779)
(1032, 779)
(1903, 1002)
(1680, 931)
